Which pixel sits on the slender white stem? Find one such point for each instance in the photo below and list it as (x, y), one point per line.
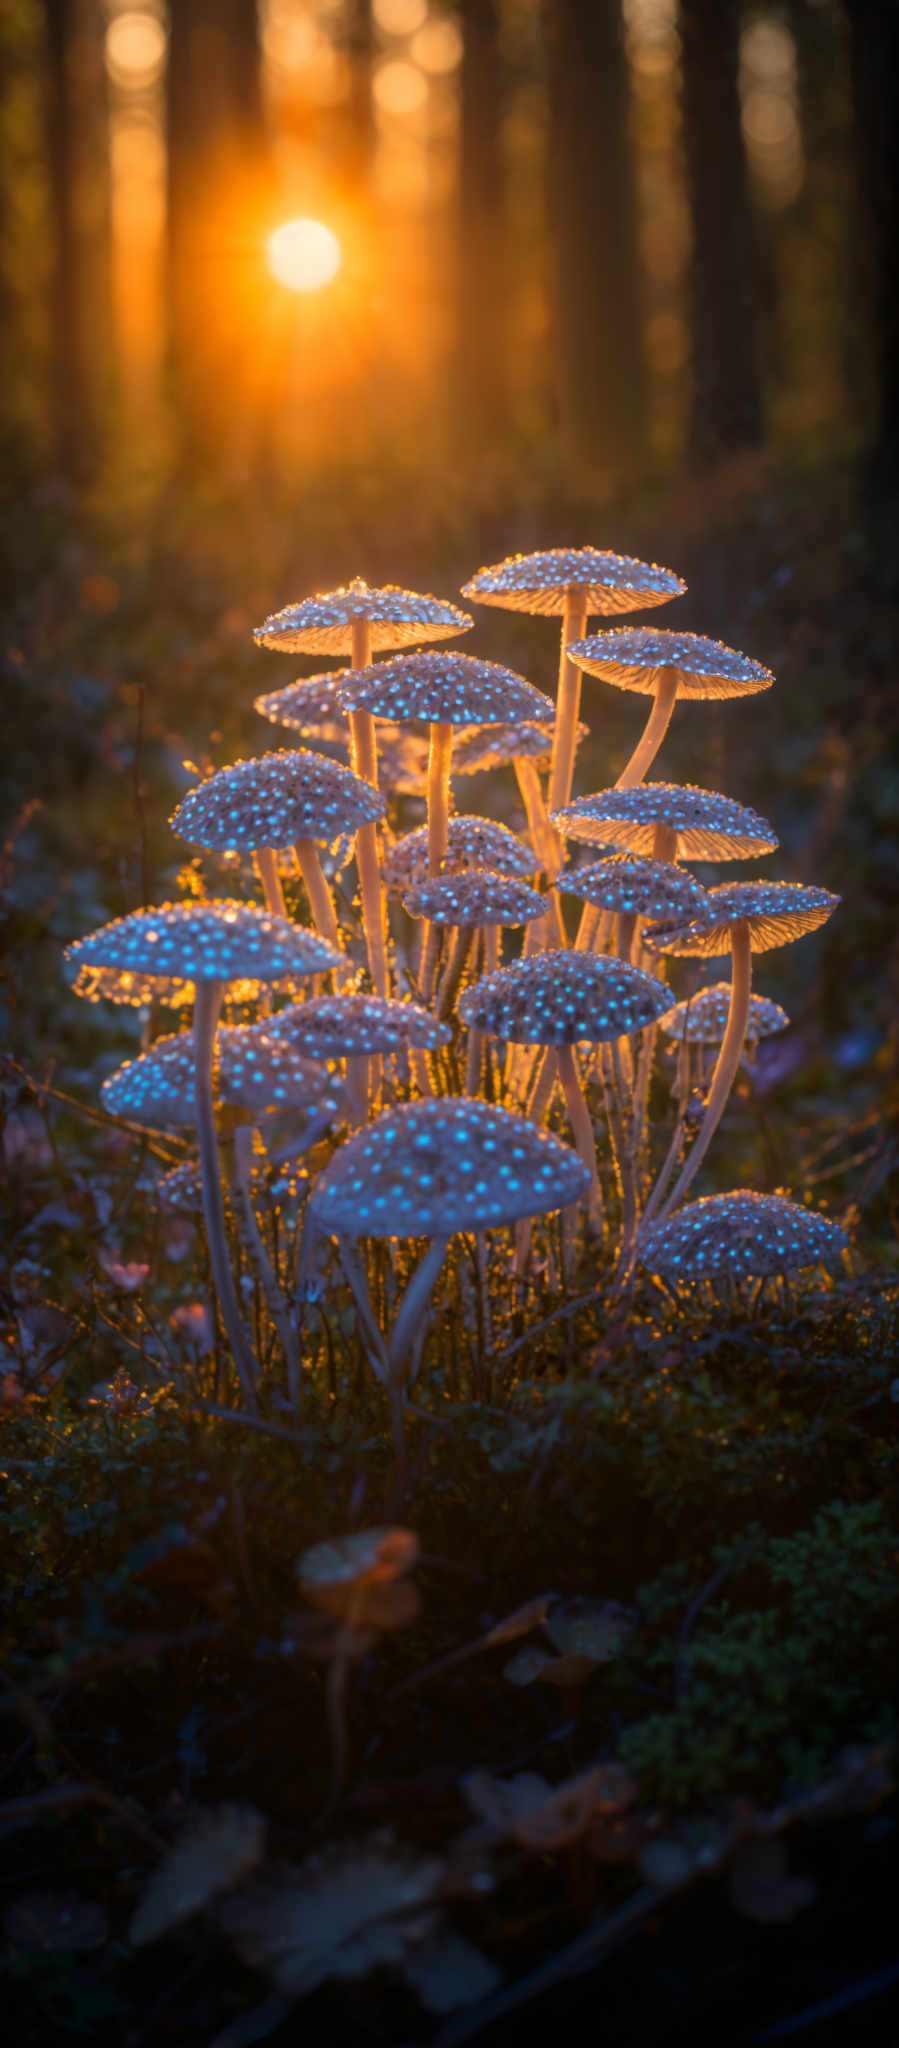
(727, 1062)
(207, 1004)
(372, 1339)
(568, 702)
(321, 902)
(582, 1128)
(463, 941)
(365, 763)
(652, 735)
(242, 1153)
(414, 1306)
(439, 758)
(267, 869)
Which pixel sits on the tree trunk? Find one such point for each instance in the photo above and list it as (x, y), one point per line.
(726, 411)
(874, 56)
(359, 40)
(482, 286)
(79, 199)
(593, 240)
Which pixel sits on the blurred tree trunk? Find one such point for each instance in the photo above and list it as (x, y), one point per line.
(874, 55)
(480, 298)
(359, 41)
(593, 240)
(726, 411)
(77, 160)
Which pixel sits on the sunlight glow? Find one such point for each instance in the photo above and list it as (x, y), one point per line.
(135, 48)
(400, 88)
(303, 255)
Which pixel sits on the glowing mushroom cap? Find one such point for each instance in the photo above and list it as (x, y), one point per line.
(631, 885)
(253, 1068)
(431, 1168)
(640, 657)
(708, 826)
(471, 843)
(308, 706)
(444, 688)
(275, 801)
(544, 582)
(396, 618)
(220, 941)
(493, 746)
(339, 1027)
(744, 1234)
(702, 1020)
(564, 997)
(476, 898)
(775, 912)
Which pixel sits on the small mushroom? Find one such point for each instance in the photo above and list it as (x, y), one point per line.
(633, 887)
(745, 1234)
(664, 665)
(357, 1027)
(469, 903)
(471, 843)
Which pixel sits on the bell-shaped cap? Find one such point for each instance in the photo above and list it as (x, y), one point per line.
(564, 997)
(471, 843)
(343, 1026)
(631, 885)
(641, 657)
(708, 826)
(254, 1068)
(775, 912)
(220, 941)
(309, 706)
(396, 618)
(494, 746)
(443, 688)
(702, 1020)
(478, 898)
(544, 582)
(745, 1235)
(276, 800)
(431, 1168)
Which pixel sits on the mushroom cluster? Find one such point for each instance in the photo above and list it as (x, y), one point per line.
(411, 1044)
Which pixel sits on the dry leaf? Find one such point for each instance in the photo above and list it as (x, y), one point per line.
(221, 1848)
(338, 1915)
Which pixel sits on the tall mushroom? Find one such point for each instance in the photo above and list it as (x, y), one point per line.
(664, 666)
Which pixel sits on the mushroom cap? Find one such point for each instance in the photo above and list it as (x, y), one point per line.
(308, 706)
(253, 1067)
(634, 886)
(445, 688)
(744, 1233)
(275, 801)
(470, 843)
(640, 657)
(338, 1027)
(775, 912)
(397, 618)
(493, 746)
(702, 1020)
(434, 1167)
(474, 898)
(136, 991)
(543, 582)
(181, 1189)
(564, 997)
(220, 941)
(708, 826)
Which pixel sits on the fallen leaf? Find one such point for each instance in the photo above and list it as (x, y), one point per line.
(222, 1847)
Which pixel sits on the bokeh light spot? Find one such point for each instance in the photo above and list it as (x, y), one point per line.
(135, 49)
(400, 88)
(303, 255)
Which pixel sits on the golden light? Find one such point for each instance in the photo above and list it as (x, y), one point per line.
(303, 255)
(437, 47)
(400, 88)
(135, 48)
(399, 17)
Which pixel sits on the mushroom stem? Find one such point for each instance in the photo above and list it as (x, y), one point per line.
(591, 919)
(727, 1062)
(242, 1154)
(582, 1128)
(413, 1306)
(449, 987)
(267, 869)
(321, 902)
(207, 1004)
(439, 758)
(365, 763)
(548, 930)
(568, 703)
(373, 1342)
(652, 735)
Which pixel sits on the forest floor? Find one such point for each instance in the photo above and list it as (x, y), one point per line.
(690, 1505)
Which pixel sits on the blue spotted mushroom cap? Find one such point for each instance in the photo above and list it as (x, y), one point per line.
(474, 898)
(632, 885)
(702, 1020)
(542, 582)
(443, 688)
(470, 843)
(640, 657)
(564, 997)
(254, 1068)
(493, 746)
(775, 912)
(324, 624)
(744, 1234)
(219, 941)
(431, 1168)
(276, 800)
(708, 826)
(308, 706)
(342, 1026)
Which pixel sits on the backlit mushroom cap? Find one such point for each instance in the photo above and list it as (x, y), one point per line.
(641, 657)
(431, 1168)
(703, 1019)
(708, 826)
(181, 1189)
(634, 886)
(253, 1068)
(745, 1234)
(494, 746)
(331, 1573)
(340, 1027)
(562, 998)
(480, 898)
(471, 843)
(221, 941)
(776, 912)
(397, 618)
(444, 688)
(309, 706)
(113, 985)
(275, 801)
(542, 583)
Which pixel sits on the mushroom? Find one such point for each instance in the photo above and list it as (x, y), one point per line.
(356, 621)
(633, 887)
(430, 1169)
(309, 707)
(746, 1235)
(745, 918)
(470, 902)
(523, 745)
(356, 1027)
(665, 665)
(210, 944)
(283, 799)
(470, 843)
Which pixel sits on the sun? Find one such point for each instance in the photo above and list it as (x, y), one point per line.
(303, 255)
